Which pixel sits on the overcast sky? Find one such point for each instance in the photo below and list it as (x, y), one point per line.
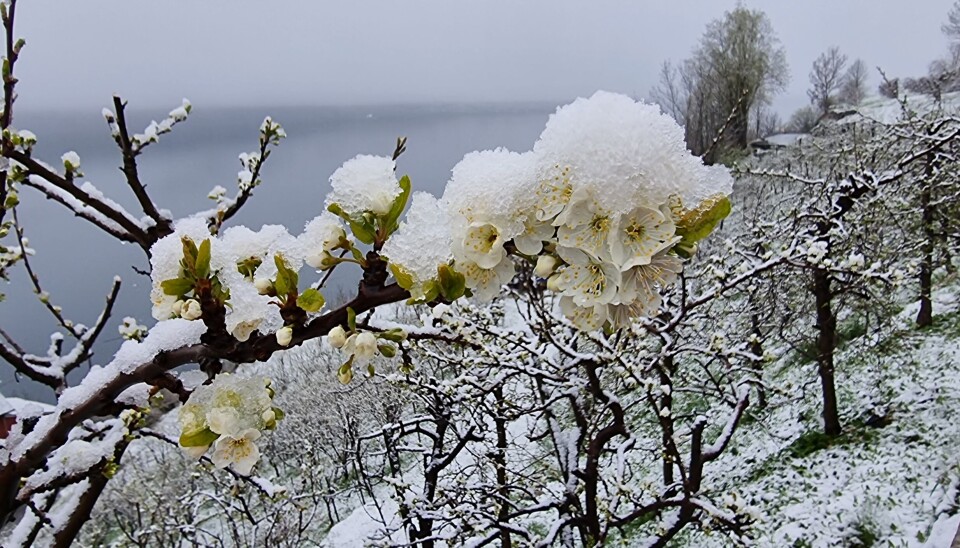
(240, 52)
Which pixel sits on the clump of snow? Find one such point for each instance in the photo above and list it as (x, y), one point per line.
(495, 186)
(622, 151)
(423, 241)
(365, 183)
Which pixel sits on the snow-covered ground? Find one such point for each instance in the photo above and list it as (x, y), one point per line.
(892, 478)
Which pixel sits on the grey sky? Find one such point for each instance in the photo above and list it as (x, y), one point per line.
(311, 52)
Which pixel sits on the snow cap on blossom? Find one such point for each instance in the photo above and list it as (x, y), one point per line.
(165, 256)
(421, 244)
(607, 204)
(623, 153)
(321, 234)
(493, 187)
(365, 183)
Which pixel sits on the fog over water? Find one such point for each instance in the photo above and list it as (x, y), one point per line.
(77, 261)
(466, 60)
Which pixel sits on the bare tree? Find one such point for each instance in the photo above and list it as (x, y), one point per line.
(738, 65)
(671, 93)
(854, 87)
(951, 29)
(826, 78)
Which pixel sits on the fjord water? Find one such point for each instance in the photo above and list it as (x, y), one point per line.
(77, 262)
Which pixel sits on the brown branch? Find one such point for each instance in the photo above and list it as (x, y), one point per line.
(243, 195)
(15, 358)
(6, 336)
(163, 225)
(36, 168)
(257, 348)
(90, 337)
(116, 232)
(9, 96)
(80, 515)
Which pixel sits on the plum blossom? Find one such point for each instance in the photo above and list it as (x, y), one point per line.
(237, 451)
(337, 337)
(486, 282)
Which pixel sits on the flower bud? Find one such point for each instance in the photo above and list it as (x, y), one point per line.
(71, 161)
(366, 346)
(337, 337)
(191, 310)
(546, 264)
(285, 336)
(553, 283)
(263, 286)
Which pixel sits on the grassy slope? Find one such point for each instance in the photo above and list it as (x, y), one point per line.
(892, 474)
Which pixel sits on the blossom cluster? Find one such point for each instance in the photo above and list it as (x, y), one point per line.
(229, 414)
(252, 273)
(607, 204)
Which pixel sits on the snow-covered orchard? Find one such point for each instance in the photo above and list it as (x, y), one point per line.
(597, 341)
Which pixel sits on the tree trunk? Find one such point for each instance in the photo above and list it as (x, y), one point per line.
(500, 461)
(826, 344)
(925, 315)
(756, 348)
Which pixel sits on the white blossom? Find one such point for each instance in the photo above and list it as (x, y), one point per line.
(285, 336)
(321, 235)
(365, 346)
(546, 265)
(239, 452)
(191, 310)
(71, 161)
(337, 337)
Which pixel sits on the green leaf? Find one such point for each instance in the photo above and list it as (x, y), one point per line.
(310, 300)
(203, 259)
(278, 413)
(190, 252)
(371, 371)
(287, 279)
(351, 319)
(338, 211)
(399, 204)
(404, 279)
(199, 438)
(345, 372)
(176, 286)
(363, 230)
(699, 222)
(452, 283)
(394, 335)
(388, 350)
(248, 267)
(357, 254)
(431, 290)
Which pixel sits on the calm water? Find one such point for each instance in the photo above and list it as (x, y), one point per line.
(77, 262)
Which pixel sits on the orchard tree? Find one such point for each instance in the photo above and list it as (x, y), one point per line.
(844, 186)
